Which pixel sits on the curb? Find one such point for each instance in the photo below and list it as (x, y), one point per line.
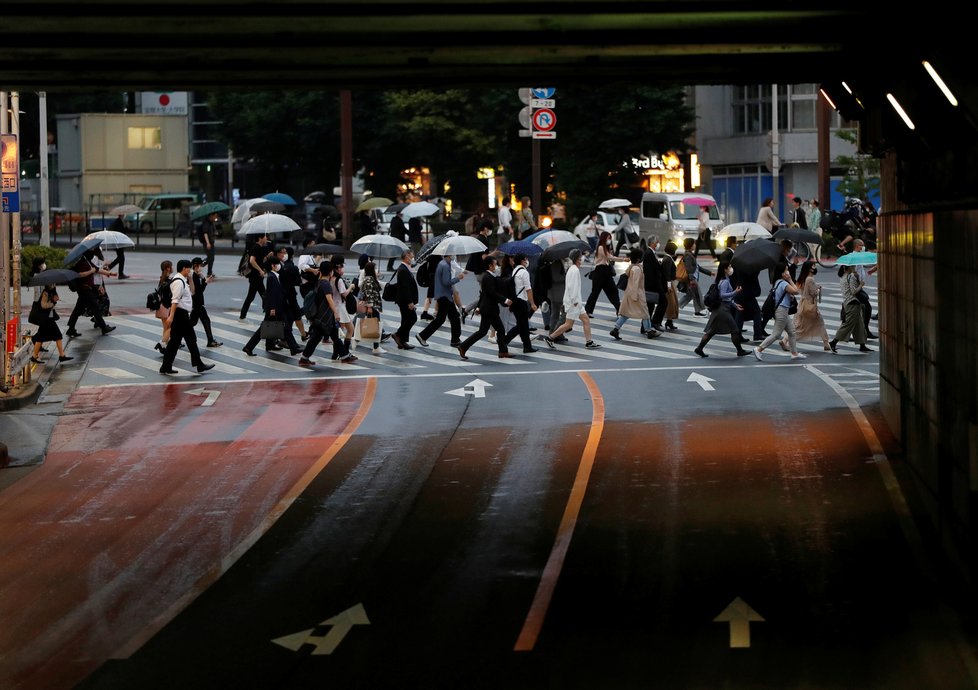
(27, 395)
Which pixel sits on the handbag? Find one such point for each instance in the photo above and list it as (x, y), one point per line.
(38, 313)
(370, 328)
(622, 281)
(272, 330)
(651, 297)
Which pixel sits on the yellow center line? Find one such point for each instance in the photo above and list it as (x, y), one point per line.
(548, 582)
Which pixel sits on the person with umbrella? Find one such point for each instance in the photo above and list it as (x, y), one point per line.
(705, 235)
(178, 320)
(119, 225)
(477, 262)
(87, 301)
(853, 324)
(505, 218)
(398, 231)
(206, 235)
(489, 300)
(415, 233)
(47, 326)
(573, 305)
(444, 294)
(623, 230)
(257, 256)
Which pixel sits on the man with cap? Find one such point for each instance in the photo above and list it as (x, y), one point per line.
(199, 312)
(178, 320)
(573, 305)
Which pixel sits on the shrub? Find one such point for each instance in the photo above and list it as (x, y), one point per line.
(53, 257)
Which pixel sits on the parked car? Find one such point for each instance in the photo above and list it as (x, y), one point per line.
(164, 212)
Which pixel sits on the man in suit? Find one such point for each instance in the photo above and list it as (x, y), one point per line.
(489, 301)
(406, 300)
(275, 310)
(445, 296)
(199, 312)
(750, 290)
(655, 283)
(178, 320)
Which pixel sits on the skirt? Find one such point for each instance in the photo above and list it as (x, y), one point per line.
(722, 321)
(47, 332)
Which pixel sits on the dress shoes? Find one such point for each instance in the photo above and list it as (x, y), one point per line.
(872, 336)
(204, 367)
(214, 343)
(168, 371)
(505, 355)
(107, 330)
(461, 353)
(305, 362)
(397, 341)
(66, 358)
(250, 353)
(158, 347)
(529, 350)
(72, 333)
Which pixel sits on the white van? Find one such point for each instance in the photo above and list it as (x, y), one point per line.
(668, 216)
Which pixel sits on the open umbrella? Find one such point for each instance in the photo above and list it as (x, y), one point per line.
(699, 201)
(379, 246)
(615, 203)
(281, 198)
(858, 259)
(419, 209)
(744, 231)
(459, 245)
(243, 210)
(79, 249)
(268, 223)
(394, 208)
(124, 210)
(563, 250)
(428, 247)
(797, 235)
(209, 208)
(324, 249)
(53, 276)
(111, 239)
(375, 202)
(755, 256)
(549, 238)
(265, 206)
(521, 247)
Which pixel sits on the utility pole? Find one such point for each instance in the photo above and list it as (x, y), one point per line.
(4, 263)
(775, 146)
(346, 156)
(42, 153)
(822, 118)
(537, 202)
(15, 229)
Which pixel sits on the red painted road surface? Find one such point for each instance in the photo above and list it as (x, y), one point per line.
(140, 505)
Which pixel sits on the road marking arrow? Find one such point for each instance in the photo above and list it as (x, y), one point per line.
(212, 396)
(475, 388)
(704, 381)
(341, 624)
(740, 616)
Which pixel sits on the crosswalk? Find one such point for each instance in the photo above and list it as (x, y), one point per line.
(129, 356)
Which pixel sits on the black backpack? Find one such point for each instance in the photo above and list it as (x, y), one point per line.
(422, 275)
(166, 294)
(712, 298)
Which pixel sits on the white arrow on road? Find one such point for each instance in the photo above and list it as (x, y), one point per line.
(740, 616)
(341, 624)
(212, 396)
(476, 389)
(704, 381)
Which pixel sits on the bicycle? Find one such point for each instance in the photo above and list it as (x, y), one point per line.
(812, 251)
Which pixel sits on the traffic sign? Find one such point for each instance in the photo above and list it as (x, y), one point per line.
(542, 92)
(544, 120)
(545, 135)
(10, 174)
(543, 103)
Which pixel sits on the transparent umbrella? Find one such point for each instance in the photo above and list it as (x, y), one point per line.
(111, 239)
(268, 223)
(379, 246)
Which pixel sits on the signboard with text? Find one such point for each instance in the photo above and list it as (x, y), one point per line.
(10, 171)
(164, 103)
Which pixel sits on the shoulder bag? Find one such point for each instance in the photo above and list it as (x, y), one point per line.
(38, 313)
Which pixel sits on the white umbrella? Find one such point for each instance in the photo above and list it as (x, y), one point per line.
(419, 209)
(743, 232)
(268, 223)
(124, 210)
(458, 246)
(111, 239)
(615, 203)
(380, 246)
(552, 237)
(243, 210)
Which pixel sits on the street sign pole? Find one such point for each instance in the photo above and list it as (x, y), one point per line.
(4, 262)
(15, 228)
(537, 191)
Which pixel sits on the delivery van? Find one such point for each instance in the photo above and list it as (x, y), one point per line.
(675, 216)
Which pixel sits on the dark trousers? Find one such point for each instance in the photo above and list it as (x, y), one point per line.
(209, 256)
(488, 321)
(521, 312)
(602, 278)
(317, 333)
(269, 343)
(705, 240)
(256, 286)
(658, 310)
(86, 302)
(200, 314)
(409, 317)
(120, 261)
(181, 330)
(446, 310)
(753, 312)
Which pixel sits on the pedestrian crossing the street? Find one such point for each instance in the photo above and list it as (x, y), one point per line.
(129, 355)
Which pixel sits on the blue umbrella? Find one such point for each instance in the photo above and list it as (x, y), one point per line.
(79, 249)
(520, 247)
(858, 259)
(280, 198)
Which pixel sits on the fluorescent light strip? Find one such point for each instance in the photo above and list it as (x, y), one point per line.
(826, 97)
(940, 83)
(846, 87)
(900, 111)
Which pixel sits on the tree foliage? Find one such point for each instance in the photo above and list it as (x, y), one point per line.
(862, 172)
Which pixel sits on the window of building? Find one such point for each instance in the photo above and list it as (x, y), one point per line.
(145, 138)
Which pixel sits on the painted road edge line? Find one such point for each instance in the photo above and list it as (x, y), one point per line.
(548, 582)
(206, 580)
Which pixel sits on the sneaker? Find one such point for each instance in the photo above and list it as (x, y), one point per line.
(422, 341)
(492, 339)
(757, 354)
(591, 345)
(379, 351)
(385, 336)
(550, 342)
(614, 334)
(561, 339)
(214, 343)
(799, 355)
(653, 334)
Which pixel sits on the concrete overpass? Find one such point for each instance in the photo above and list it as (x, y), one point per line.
(929, 228)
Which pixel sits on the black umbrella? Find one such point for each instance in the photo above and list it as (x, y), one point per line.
(797, 235)
(430, 245)
(394, 208)
(267, 207)
(323, 249)
(79, 249)
(563, 250)
(755, 256)
(53, 276)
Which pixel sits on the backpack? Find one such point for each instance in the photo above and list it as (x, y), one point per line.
(422, 275)
(507, 287)
(153, 301)
(244, 265)
(309, 305)
(166, 294)
(712, 298)
(681, 274)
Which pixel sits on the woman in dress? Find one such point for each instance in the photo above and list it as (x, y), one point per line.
(633, 304)
(669, 273)
(808, 319)
(47, 329)
(166, 274)
(722, 321)
(603, 274)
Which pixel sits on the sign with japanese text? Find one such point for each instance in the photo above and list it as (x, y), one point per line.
(10, 172)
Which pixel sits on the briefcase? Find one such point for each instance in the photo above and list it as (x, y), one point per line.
(272, 330)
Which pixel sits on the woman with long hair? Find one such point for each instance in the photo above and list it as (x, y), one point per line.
(166, 273)
(722, 319)
(603, 274)
(808, 320)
